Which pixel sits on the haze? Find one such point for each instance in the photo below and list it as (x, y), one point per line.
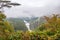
(30, 8)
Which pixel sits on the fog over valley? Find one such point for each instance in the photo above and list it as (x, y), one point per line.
(30, 8)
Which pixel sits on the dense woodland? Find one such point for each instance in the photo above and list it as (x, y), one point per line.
(17, 23)
(49, 30)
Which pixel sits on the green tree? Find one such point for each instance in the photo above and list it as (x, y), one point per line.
(5, 27)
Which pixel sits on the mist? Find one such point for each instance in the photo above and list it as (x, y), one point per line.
(36, 8)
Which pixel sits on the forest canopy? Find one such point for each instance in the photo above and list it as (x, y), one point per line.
(49, 30)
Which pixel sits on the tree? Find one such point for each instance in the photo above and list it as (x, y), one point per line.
(51, 27)
(5, 27)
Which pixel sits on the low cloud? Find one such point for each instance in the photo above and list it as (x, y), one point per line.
(33, 8)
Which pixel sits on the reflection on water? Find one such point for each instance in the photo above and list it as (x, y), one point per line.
(27, 25)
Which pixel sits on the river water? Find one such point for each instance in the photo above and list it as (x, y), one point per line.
(27, 25)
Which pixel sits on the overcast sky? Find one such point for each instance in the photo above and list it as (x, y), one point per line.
(33, 8)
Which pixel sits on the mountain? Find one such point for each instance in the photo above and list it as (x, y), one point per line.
(18, 23)
(34, 24)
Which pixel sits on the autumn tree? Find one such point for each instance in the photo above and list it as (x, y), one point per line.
(51, 27)
(5, 26)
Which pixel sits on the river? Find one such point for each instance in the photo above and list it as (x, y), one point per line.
(27, 25)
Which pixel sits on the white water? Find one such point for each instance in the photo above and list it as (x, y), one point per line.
(27, 25)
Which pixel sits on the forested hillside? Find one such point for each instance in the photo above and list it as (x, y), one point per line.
(35, 23)
(49, 30)
(18, 23)
(29, 19)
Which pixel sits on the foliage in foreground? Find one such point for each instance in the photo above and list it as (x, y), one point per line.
(47, 31)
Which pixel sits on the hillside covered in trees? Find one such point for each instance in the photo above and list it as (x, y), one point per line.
(49, 30)
(31, 20)
(18, 23)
